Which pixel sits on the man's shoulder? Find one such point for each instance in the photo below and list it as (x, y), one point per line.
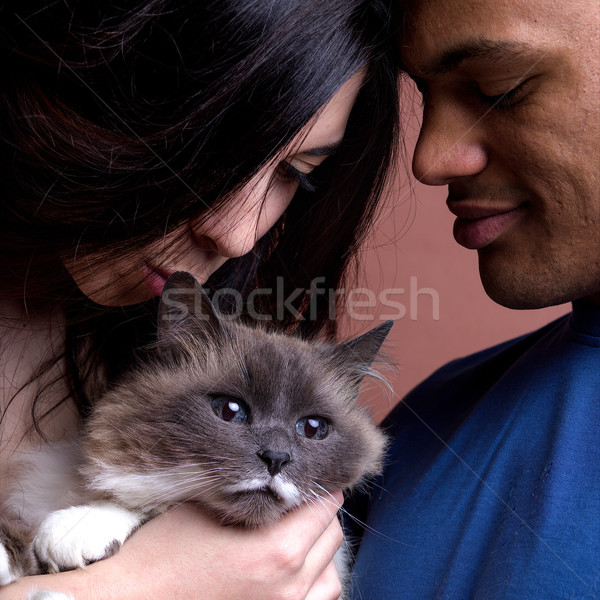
(495, 359)
(463, 380)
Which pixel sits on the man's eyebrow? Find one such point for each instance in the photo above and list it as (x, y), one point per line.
(471, 50)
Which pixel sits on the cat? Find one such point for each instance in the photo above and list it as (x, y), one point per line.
(245, 422)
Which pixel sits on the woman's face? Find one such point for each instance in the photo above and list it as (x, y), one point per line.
(202, 246)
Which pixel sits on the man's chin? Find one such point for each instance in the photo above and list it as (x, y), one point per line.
(522, 293)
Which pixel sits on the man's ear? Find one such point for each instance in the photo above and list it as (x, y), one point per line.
(184, 308)
(356, 356)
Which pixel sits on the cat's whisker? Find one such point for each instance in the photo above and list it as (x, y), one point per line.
(166, 471)
(162, 436)
(311, 503)
(191, 462)
(191, 493)
(175, 477)
(212, 456)
(322, 501)
(160, 496)
(377, 533)
(363, 485)
(324, 490)
(358, 521)
(192, 483)
(195, 481)
(174, 471)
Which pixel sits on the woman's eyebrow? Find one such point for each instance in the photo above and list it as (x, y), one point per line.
(326, 150)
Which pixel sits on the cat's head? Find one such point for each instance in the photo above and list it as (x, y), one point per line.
(249, 423)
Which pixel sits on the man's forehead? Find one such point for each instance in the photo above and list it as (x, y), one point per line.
(439, 34)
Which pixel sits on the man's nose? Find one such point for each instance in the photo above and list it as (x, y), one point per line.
(450, 145)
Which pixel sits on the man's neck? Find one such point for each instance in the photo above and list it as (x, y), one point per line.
(594, 299)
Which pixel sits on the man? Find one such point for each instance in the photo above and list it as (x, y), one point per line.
(492, 488)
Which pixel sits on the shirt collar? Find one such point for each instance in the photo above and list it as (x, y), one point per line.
(586, 318)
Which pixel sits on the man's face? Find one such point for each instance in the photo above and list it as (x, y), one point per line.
(512, 125)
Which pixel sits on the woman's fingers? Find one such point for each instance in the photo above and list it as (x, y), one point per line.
(327, 586)
(290, 559)
(303, 527)
(310, 520)
(324, 549)
(319, 571)
(302, 548)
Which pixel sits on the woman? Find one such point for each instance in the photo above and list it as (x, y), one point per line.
(246, 142)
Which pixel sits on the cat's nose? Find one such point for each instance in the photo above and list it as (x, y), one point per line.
(274, 460)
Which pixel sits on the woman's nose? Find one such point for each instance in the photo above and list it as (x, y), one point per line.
(231, 231)
(234, 228)
(449, 145)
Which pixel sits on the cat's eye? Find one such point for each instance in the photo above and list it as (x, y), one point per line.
(313, 428)
(232, 410)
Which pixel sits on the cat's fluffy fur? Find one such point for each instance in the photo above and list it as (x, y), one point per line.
(217, 415)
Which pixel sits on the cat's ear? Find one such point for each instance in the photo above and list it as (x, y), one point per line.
(356, 356)
(184, 308)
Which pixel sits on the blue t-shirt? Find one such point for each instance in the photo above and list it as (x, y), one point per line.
(492, 484)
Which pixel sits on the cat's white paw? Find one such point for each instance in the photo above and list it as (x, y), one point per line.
(48, 595)
(80, 535)
(6, 574)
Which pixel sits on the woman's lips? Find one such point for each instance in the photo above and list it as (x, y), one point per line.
(155, 280)
(475, 231)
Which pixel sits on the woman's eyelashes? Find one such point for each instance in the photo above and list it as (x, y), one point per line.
(290, 174)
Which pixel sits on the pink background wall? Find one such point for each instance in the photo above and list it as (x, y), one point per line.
(414, 272)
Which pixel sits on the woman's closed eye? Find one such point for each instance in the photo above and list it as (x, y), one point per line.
(294, 173)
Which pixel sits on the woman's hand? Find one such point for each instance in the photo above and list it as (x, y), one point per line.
(184, 554)
(282, 561)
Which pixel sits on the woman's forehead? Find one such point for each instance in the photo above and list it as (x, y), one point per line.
(326, 130)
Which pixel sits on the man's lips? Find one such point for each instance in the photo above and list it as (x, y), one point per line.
(478, 224)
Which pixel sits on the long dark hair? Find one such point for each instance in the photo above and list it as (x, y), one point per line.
(118, 118)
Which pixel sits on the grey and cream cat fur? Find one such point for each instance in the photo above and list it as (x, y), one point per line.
(245, 422)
